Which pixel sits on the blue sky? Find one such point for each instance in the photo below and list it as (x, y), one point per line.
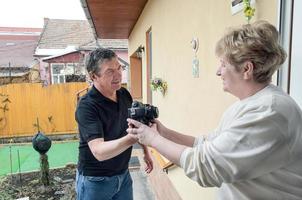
(30, 13)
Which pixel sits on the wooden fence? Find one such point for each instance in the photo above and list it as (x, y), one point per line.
(54, 106)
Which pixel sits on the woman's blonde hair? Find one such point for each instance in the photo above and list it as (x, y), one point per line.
(257, 43)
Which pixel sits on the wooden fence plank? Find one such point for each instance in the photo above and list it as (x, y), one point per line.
(21, 104)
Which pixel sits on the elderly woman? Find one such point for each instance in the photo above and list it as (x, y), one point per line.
(256, 150)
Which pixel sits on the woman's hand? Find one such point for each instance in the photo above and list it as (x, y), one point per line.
(160, 127)
(145, 134)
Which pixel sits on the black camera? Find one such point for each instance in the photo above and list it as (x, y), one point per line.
(143, 113)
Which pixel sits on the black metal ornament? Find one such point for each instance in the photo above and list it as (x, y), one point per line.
(41, 143)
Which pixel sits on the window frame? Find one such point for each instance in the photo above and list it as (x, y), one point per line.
(57, 75)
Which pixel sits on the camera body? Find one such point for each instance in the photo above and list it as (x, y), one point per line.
(143, 113)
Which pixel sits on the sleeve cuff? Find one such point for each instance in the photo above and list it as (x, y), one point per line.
(92, 137)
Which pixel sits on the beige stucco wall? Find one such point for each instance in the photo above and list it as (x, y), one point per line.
(191, 105)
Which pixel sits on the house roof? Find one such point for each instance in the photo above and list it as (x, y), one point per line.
(113, 44)
(114, 18)
(60, 34)
(18, 33)
(59, 55)
(18, 30)
(12, 74)
(17, 46)
(49, 58)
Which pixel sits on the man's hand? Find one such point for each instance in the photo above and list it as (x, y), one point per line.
(145, 134)
(132, 138)
(148, 160)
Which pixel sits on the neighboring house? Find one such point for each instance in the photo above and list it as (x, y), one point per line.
(165, 30)
(66, 67)
(17, 63)
(63, 46)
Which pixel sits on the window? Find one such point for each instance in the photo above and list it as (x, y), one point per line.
(79, 69)
(69, 72)
(70, 68)
(57, 73)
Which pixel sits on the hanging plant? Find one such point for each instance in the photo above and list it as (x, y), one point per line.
(157, 84)
(249, 12)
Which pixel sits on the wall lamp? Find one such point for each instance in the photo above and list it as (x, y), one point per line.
(139, 51)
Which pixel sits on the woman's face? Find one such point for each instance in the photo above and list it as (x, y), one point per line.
(232, 80)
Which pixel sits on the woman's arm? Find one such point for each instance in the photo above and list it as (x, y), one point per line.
(174, 136)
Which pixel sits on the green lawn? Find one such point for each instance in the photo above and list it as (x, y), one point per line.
(59, 155)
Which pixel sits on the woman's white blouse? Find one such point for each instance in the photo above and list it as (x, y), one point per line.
(255, 152)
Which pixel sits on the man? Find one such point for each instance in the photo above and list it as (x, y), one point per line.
(105, 147)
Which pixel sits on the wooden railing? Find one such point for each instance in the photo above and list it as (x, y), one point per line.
(81, 93)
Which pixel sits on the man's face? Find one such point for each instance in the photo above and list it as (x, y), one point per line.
(110, 75)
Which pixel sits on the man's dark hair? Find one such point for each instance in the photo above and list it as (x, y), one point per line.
(97, 57)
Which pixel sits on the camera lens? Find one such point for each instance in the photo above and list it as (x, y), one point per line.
(135, 104)
(144, 113)
(155, 112)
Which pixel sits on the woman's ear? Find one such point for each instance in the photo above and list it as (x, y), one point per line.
(248, 70)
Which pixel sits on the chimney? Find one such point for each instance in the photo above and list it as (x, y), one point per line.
(45, 20)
